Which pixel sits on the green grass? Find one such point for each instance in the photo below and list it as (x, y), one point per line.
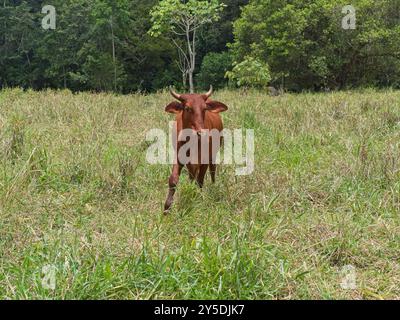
(76, 193)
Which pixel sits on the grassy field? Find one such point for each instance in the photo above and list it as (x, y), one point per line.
(77, 194)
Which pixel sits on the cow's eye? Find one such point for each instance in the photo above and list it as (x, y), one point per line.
(188, 109)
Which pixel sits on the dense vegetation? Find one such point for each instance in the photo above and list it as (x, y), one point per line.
(77, 194)
(78, 54)
(105, 45)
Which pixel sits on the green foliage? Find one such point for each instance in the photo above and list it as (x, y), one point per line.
(168, 15)
(99, 69)
(213, 69)
(107, 44)
(251, 72)
(78, 54)
(215, 36)
(182, 20)
(303, 40)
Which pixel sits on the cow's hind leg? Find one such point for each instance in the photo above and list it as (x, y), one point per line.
(202, 174)
(213, 158)
(193, 171)
(173, 182)
(213, 170)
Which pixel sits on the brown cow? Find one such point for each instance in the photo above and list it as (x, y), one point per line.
(200, 114)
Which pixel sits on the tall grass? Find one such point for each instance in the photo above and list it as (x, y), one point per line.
(76, 193)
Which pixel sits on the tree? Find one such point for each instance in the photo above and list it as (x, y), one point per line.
(215, 37)
(213, 69)
(106, 44)
(305, 45)
(182, 20)
(17, 45)
(97, 45)
(58, 49)
(251, 72)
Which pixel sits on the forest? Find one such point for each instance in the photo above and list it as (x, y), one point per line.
(125, 46)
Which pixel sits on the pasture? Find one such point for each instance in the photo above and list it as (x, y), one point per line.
(77, 194)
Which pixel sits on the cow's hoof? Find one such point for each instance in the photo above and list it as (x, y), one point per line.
(167, 209)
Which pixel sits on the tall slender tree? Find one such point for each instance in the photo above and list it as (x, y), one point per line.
(181, 20)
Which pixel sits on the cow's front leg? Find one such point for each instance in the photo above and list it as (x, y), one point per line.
(201, 175)
(173, 182)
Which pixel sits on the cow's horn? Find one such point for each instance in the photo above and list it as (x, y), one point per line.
(174, 94)
(210, 92)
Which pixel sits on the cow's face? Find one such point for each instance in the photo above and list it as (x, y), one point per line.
(194, 107)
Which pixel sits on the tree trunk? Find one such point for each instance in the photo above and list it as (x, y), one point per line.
(65, 78)
(191, 86)
(113, 53)
(5, 25)
(192, 57)
(184, 79)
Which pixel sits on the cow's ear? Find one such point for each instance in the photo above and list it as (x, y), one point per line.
(216, 106)
(174, 107)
